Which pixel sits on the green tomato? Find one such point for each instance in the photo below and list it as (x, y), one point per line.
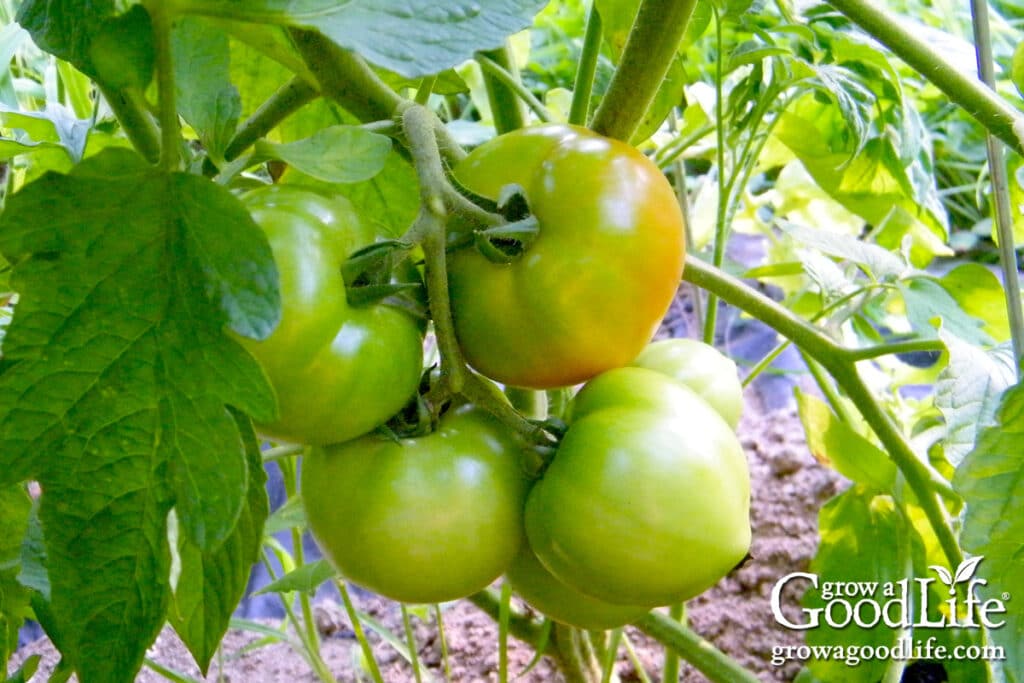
(560, 601)
(423, 520)
(338, 371)
(702, 368)
(647, 499)
(589, 292)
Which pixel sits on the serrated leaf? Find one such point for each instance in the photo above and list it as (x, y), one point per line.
(835, 444)
(412, 38)
(54, 124)
(205, 96)
(118, 380)
(968, 392)
(338, 154)
(211, 583)
(864, 537)
(928, 305)
(305, 579)
(65, 28)
(991, 481)
(751, 52)
(290, 515)
(980, 294)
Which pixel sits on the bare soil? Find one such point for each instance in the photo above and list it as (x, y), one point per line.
(788, 489)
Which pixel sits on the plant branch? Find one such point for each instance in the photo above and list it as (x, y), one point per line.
(895, 347)
(170, 126)
(504, 89)
(583, 86)
(978, 100)
(1000, 188)
(650, 49)
(520, 625)
(135, 121)
(345, 78)
(837, 361)
(703, 655)
(508, 83)
(289, 98)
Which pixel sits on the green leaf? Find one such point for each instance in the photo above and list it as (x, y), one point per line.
(338, 154)
(991, 481)
(864, 537)
(881, 263)
(980, 294)
(212, 582)
(26, 671)
(117, 381)
(55, 126)
(65, 28)
(837, 445)
(412, 38)
(122, 50)
(15, 506)
(928, 304)
(968, 392)
(305, 579)
(1017, 68)
(205, 96)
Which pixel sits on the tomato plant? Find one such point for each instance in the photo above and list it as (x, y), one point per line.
(589, 292)
(616, 513)
(406, 519)
(167, 290)
(338, 370)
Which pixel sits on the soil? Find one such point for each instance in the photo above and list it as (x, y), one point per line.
(788, 487)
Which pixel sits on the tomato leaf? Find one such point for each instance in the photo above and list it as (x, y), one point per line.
(65, 28)
(991, 481)
(928, 304)
(54, 127)
(968, 392)
(116, 382)
(212, 582)
(305, 579)
(835, 444)
(864, 538)
(412, 38)
(338, 154)
(204, 94)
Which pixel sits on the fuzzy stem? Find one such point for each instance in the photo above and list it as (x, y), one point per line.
(289, 98)
(501, 78)
(135, 121)
(579, 111)
(650, 49)
(170, 126)
(718, 667)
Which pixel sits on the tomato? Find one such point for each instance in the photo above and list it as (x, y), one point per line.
(588, 294)
(429, 519)
(647, 499)
(561, 602)
(338, 371)
(702, 368)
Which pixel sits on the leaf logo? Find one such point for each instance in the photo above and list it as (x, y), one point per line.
(963, 573)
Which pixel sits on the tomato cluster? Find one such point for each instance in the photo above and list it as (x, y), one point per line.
(645, 500)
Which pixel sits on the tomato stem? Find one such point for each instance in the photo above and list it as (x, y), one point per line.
(505, 90)
(170, 127)
(650, 49)
(285, 101)
(129, 108)
(583, 86)
(710, 661)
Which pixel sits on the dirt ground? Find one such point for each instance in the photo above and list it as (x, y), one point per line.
(788, 489)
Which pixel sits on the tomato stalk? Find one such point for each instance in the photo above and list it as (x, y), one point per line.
(285, 101)
(650, 48)
(717, 666)
(504, 89)
(508, 80)
(170, 127)
(841, 364)
(579, 111)
(978, 100)
(129, 108)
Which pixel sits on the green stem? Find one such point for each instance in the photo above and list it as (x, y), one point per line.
(289, 475)
(135, 121)
(506, 82)
(357, 628)
(721, 231)
(576, 664)
(410, 638)
(828, 389)
(1000, 188)
(345, 78)
(439, 618)
(711, 662)
(895, 347)
(670, 670)
(650, 49)
(504, 89)
(978, 100)
(520, 626)
(424, 91)
(282, 452)
(504, 613)
(842, 367)
(287, 100)
(170, 127)
(579, 111)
